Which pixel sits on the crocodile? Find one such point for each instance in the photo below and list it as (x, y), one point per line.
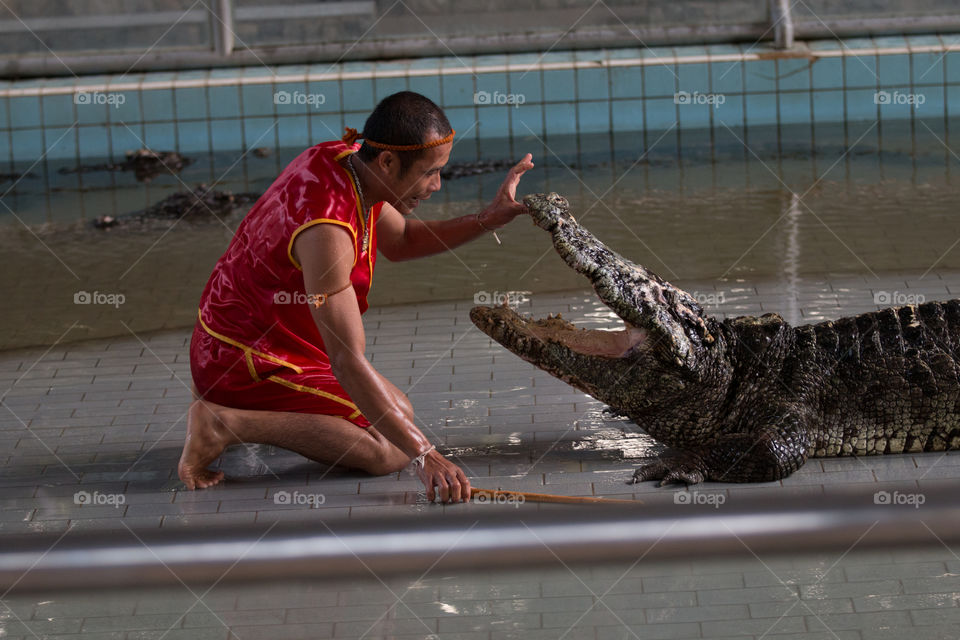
(746, 399)
(146, 164)
(202, 202)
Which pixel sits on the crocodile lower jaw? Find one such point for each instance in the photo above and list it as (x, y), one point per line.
(518, 334)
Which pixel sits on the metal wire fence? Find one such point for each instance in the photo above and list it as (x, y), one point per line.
(61, 37)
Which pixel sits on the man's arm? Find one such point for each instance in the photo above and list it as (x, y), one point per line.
(404, 238)
(326, 253)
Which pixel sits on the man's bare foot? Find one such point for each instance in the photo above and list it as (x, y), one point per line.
(207, 437)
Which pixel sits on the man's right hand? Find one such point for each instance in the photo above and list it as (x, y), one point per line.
(439, 473)
(505, 207)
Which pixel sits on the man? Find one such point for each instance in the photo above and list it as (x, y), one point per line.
(277, 355)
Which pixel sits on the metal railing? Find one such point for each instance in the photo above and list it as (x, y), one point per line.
(486, 538)
(218, 33)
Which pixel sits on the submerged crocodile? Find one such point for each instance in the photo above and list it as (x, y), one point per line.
(203, 203)
(747, 399)
(146, 164)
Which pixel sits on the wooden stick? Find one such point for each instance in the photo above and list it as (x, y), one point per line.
(494, 495)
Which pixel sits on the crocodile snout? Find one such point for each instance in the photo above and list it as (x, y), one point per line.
(548, 210)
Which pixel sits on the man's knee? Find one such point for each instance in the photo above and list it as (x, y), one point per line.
(387, 460)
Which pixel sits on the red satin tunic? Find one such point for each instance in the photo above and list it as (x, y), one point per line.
(256, 345)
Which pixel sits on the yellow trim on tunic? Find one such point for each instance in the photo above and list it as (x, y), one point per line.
(343, 154)
(317, 392)
(248, 351)
(305, 225)
(356, 195)
(356, 191)
(356, 250)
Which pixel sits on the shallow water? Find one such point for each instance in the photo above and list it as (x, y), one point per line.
(723, 207)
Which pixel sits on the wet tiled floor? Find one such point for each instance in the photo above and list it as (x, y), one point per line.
(91, 432)
(855, 596)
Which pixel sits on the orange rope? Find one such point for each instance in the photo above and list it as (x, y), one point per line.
(319, 299)
(522, 496)
(352, 136)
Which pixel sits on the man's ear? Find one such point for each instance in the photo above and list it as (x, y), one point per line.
(388, 162)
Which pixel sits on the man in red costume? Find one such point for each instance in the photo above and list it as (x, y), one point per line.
(277, 354)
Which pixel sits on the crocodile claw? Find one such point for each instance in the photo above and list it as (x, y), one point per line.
(677, 468)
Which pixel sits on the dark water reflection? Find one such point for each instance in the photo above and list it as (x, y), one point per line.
(861, 199)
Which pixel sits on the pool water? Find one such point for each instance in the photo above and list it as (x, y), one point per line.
(788, 203)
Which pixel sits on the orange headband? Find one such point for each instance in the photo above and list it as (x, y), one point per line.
(351, 136)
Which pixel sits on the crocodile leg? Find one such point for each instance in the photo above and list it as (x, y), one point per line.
(769, 453)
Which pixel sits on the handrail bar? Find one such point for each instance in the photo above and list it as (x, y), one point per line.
(482, 537)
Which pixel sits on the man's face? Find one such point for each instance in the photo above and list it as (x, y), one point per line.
(419, 181)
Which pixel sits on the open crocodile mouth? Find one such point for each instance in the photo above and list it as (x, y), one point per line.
(527, 336)
(656, 314)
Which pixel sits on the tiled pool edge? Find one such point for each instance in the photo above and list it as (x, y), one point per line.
(622, 90)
